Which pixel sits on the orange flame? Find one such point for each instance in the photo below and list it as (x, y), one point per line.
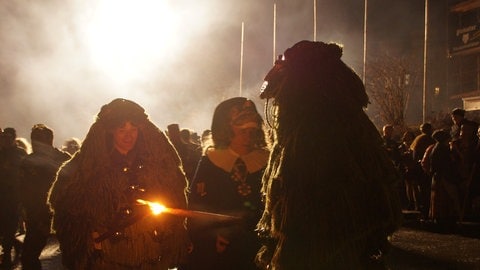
(156, 208)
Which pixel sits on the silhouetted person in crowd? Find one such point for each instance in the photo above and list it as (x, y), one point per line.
(173, 133)
(11, 157)
(206, 139)
(465, 157)
(37, 174)
(27, 146)
(193, 152)
(330, 187)
(228, 181)
(422, 141)
(410, 169)
(472, 202)
(458, 119)
(419, 146)
(24, 144)
(189, 136)
(188, 151)
(101, 196)
(390, 144)
(72, 145)
(445, 201)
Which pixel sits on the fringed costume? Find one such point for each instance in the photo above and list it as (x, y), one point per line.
(95, 194)
(331, 200)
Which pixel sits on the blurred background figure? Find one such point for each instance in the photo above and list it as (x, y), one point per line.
(466, 157)
(37, 173)
(72, 145)
(409, 168)
(24, 144)
(458, 119)
(445, 205)
(419, 147)
(11, 157)
(188, 150)
(193, 151)
(206, 139)
(391, 144)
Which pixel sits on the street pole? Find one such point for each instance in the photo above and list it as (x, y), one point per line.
(241, 60)
(424, 102)
(314, 20)
(364, 40)
(274, 32)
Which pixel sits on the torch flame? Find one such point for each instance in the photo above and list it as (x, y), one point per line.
(156, 208)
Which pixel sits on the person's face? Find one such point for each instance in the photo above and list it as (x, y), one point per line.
(456, 119)
(243, 136)
(9, 140)
(408, 139)
(388, 132)
(125, 137)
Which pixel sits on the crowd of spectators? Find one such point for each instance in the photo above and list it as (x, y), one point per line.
(440, 168)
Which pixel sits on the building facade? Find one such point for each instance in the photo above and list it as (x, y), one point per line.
(463, 80)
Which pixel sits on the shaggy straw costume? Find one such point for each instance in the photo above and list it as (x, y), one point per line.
(331, 200)
(89, 190)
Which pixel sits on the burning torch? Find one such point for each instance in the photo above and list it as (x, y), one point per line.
(157, 209)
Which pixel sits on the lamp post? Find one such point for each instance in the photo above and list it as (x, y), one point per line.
(241, 59)
(424, 96)
(364, 39)
(314, 20)
(274, 33)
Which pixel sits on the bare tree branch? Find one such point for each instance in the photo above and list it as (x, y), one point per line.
(389, 84)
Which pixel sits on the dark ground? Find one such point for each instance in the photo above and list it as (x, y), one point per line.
(416, 246)
(422, 250)
(420, 246)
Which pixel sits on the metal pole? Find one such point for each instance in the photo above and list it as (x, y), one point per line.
(364, 40)
(241, 60)
(424, 103)
(274, 32)
(314, 20)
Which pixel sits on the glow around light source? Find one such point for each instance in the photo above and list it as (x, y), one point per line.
(156, 208)
(125, 37)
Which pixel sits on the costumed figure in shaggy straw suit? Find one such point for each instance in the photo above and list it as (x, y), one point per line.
(97, 219)
(331, 201)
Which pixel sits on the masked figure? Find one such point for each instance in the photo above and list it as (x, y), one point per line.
(331, 200)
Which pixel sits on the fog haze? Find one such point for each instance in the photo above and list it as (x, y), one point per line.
(179, 70)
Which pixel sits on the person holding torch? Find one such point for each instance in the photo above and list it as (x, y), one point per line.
(98, 219)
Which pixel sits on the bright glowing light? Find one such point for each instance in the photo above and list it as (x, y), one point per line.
(126, 38)
(156, 208)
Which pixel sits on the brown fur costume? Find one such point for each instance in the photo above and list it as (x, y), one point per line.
(88, 190)
(331, 200)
